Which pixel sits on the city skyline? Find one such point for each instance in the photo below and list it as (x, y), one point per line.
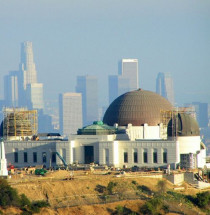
(88, 87)
(165, 86)
(70, 112)
(126, 80)
(80, 38)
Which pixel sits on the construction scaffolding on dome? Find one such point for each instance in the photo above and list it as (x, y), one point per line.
(169, 120)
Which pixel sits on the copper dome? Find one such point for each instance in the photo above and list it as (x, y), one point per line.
(136, 107)
(186, 126)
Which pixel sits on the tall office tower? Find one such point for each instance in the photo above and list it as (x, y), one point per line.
(34, 95)
(128, 68)
(201, 110)
(27, 65)
(165, 87)
(70, 112)
(11, 89)
(118, 85)
(44, 123)
(30, 92)
(88, 87)
(126, 80)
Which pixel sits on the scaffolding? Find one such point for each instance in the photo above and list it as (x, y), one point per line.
(165, 117)
(19, 122)
(169, 120)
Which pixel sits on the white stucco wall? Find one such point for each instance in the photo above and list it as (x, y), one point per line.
(189, 144)
(201, 158)
(149, 146)
(142, 132)
(38, 147)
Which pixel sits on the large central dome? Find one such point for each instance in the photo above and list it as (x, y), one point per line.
(136, 107)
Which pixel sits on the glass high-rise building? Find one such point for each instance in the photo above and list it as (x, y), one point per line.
(70, 112)
(34, 95)
(11, 89)
(201, 110)
(165, 86)
(126, 80)
(30, 91)
(128, 68)
(88, 87)
(27, 65)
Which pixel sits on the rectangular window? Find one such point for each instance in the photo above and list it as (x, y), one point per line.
(125, 157)
(44, 157)
(145, 156)
(53, 157)
(165, 157)
(25, 157)
(107, 156)
(16, 157)
(155, 157)
(135, 157)
(35, 157)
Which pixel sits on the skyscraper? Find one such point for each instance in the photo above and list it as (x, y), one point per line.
(117, 86)
(128, 68)
(88, 87)
(27, 65)
(34, 94)
(126, 80)
(30, 91)
(165, 87)
(201, 110)
(70, 112)
(11, 89)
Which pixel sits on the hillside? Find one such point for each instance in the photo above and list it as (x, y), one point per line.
(89, 193)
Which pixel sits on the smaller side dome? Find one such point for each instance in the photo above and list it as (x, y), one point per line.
(97, 128)
(187, 126)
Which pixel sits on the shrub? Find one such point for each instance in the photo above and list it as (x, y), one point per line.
(120, 210)
(144, 189)
(153, 207)
(175, 195)
(134, 182)
(37, 205)
(8, 195)
(99, 188)
(161, 186)
(110, 187)
(24, 201)
(41, 204)
(203, 199)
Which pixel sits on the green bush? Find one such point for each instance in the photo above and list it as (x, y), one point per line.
(122, 210)
(100, 188)
(110, 187)
(144, 189)
(153, 207)
(8, 195)
(134, 182)
(176, 196)
(41, 204)
(24, 201)
(203, 199)
(161, 186)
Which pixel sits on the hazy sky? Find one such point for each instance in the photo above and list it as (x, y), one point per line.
(82, 37)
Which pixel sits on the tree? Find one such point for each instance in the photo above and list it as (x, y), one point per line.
(161, 186)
